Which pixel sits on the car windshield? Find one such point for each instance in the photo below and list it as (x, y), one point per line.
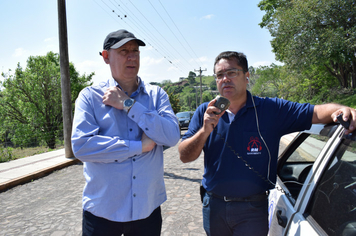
(183, 115)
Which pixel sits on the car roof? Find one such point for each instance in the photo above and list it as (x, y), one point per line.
(185, 112)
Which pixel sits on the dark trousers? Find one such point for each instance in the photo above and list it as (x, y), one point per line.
(97, 226)
(235, 218)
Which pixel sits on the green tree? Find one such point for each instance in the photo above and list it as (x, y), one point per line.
(191, 78)
(312, 34)
(30, 100)
(188, 99)
(207, 96)
(269, 80)
(166, 83)
(174, 100)
(155, 83)
(173, 89)
(312, 85)
(212, 85)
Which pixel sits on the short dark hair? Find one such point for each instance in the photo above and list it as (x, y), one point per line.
(230, 55)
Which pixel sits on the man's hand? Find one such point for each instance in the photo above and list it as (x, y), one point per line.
(115, 97)
(210, 118)
(190, 148)
(348, 114)
(147, 143)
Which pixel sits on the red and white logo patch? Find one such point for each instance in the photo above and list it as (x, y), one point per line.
(254, 147)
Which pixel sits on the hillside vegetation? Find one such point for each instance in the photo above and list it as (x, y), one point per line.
(265, 81)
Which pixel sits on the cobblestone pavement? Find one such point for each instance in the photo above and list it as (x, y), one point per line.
(52, 205)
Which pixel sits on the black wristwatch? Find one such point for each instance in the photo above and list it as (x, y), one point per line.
(128, 103)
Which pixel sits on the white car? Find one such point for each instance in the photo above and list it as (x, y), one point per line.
(315, 192)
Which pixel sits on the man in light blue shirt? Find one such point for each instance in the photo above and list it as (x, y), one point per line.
(119, 129)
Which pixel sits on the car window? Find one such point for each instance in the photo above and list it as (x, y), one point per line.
(333, 205)
(300, 157)
(183, 115)
(309, 150)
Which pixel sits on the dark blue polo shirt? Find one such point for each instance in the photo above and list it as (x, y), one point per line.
(225, 173)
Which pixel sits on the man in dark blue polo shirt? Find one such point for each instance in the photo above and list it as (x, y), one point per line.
(241, 147)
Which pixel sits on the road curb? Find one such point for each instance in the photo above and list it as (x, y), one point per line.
(36, 175)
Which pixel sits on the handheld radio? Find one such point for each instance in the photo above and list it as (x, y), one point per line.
(222, 103)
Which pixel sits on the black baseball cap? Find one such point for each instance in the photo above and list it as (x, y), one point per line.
(118, 38)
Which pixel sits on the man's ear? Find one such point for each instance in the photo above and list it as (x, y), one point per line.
(248, 77)
(105, 55)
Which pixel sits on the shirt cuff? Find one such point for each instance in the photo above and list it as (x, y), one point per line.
(135, 148)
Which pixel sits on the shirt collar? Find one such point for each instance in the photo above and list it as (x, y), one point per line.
(249, 102)
(141, 86)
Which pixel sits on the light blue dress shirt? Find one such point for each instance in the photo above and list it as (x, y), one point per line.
(122, 183)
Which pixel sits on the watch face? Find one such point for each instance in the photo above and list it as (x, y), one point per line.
(128, 102)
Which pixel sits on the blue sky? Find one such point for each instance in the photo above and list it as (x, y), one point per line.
(188, 33)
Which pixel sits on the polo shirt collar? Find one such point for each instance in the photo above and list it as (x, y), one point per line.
(249, 102)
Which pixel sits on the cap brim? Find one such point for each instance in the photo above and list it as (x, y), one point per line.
(122, 42)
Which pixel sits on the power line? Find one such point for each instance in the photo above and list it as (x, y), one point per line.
(171, 30)
(155, 49)
(127, 15)
(138, 26)
(158, 31)
(168, 56)
(105, 10)
(179, 30)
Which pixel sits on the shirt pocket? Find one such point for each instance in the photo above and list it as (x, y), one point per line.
(254, 146)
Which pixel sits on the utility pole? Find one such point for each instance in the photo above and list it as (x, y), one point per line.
(196, 97)
(65, 80)
(201, 90)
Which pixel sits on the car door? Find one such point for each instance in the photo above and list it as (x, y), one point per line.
(298, 168)
(330, 206)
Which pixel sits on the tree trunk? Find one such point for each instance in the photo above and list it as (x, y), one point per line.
(51, 141)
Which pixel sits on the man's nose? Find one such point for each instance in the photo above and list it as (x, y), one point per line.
(225, 78)
(132, 56)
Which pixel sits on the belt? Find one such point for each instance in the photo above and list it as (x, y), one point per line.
(253, 198)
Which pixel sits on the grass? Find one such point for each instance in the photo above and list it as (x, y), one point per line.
(25, 152)
(348, 101)
(17, 153)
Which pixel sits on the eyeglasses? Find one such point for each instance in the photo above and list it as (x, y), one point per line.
(232, 73)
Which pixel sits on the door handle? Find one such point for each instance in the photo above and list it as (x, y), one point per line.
(282, 220)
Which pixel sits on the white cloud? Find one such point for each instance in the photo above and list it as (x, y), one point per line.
(199, 60)
(172, 68)
(203, 59)
(148, 61)
(147, 48)
(207, 17)
(88, 66)
(50, 39)
(50, 44)
(101, 70)
(19, 52)
(102, 74)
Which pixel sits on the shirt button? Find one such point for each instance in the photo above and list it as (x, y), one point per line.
(134, 159)
(134, 194)
(146, 128)
(134, 177)
(133, 116)
(115, 160)
(130, 129)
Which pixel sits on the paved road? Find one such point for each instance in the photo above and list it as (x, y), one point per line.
(52, 205)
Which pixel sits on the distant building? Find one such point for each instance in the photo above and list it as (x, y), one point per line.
(181, 83)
